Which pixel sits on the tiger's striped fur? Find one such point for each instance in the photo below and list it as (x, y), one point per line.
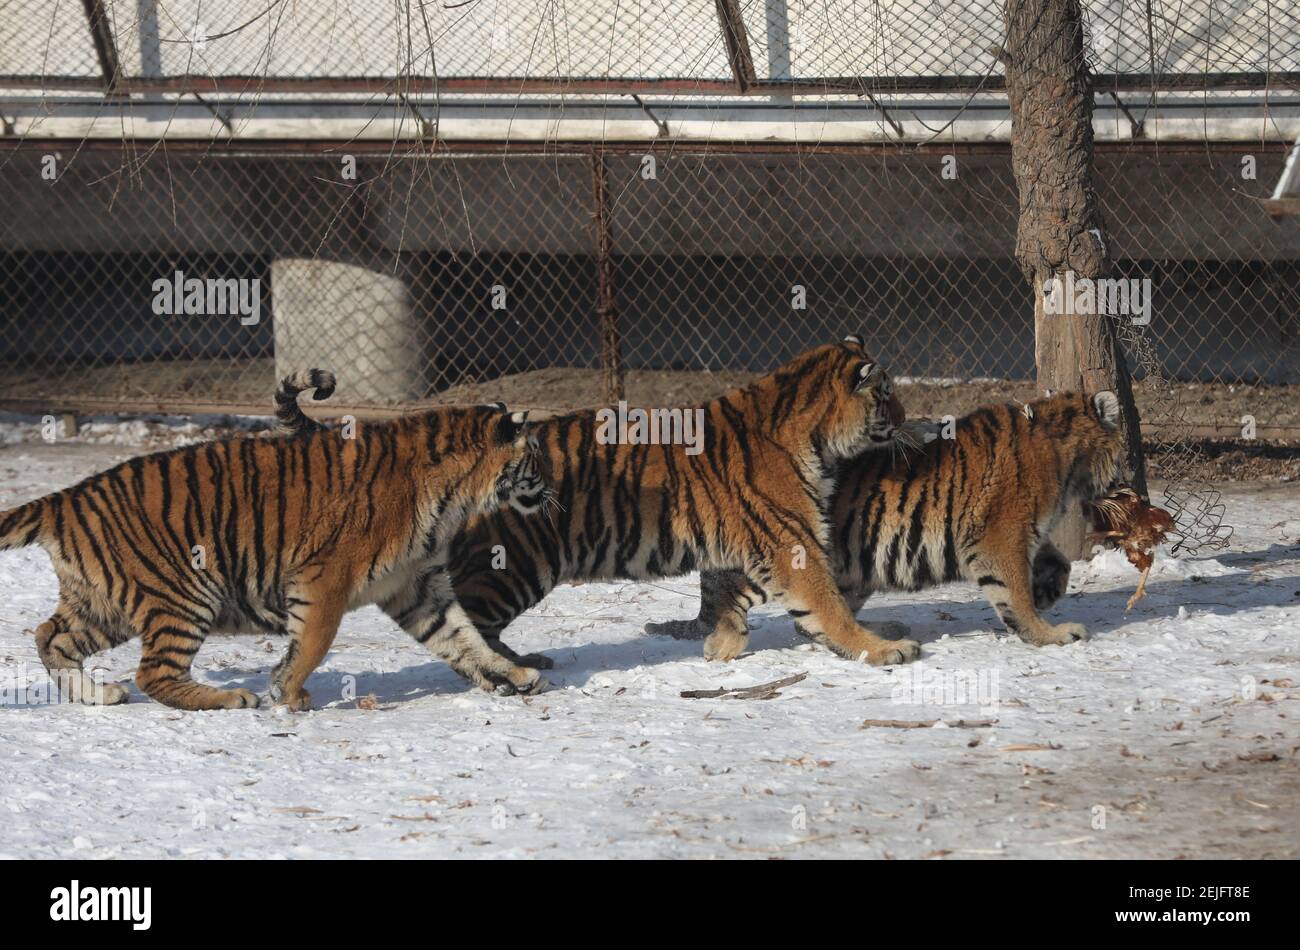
(977, 507)
(752, 499)
(283, 534)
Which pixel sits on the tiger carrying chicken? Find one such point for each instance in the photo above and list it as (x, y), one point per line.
(978, 506)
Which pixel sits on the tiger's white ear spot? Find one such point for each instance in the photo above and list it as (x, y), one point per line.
(1107, 406)
(853, 338)
(864, 376)
(519, 417)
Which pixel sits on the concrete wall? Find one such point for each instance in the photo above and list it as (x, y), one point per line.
(1177, 206)
(706, 254)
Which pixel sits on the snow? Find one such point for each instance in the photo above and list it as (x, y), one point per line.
(1172, 732)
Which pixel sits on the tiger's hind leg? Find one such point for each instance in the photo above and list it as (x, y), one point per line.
(169, 642)
(63, 642)
(428, 610)
(313, 625)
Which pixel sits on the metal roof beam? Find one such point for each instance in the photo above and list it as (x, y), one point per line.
(879, 85)
(737, 42)
(101, 34)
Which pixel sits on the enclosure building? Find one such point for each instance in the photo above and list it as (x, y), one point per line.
(528, 200)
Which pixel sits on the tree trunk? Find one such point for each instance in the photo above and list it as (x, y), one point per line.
(1061, 229)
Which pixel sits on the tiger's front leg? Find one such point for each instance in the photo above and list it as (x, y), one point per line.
(890, 629)
(806, 588)
(1005, 575)
(429, 612)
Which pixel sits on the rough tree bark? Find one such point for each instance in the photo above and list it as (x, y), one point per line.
(1061, 227)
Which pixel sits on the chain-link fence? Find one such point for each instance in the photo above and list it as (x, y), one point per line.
(192, 277)
(449, 202)
(481, 45)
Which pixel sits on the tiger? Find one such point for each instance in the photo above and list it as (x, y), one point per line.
(752, 499)
(978, 506)
(279, 535)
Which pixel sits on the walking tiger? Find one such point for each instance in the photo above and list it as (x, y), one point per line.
(281, 535)
(752, 499)
(977, 507)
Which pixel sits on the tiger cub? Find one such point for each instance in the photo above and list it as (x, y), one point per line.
(282, 534)
(978, 507)
(752, 498)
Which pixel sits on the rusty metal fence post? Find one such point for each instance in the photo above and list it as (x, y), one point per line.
(611, 344)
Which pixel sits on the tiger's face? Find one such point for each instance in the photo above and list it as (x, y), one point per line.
(1098, 443)
(869, 414)
(1087, 433)
(506, 468)
(886, 416)
(522, 485)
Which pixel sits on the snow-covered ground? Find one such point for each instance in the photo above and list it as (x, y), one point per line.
(1173, 732)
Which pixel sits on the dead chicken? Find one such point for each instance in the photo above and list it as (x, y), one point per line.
(1124, 518)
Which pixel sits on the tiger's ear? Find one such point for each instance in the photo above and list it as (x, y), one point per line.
(511, 426)
(1107, 405)
(864, 375)
(854, 339)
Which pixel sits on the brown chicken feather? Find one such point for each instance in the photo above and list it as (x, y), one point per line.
(1125, 519)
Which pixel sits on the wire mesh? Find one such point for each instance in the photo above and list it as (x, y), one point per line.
(430, 272)
(864, 42)
(166, 272)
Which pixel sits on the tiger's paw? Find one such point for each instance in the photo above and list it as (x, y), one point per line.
(82, 688)
(299, 703)
(725, 645)
(240, 699)
(891, 653)
(95, 693)
(111, 694)
(521, 681)
(1061, 634)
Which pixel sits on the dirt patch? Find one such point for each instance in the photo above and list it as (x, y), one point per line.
(1204, 404)
(1224, 461)
(1198, 404)
(1216, 410)
(249, 383)
(562, 389)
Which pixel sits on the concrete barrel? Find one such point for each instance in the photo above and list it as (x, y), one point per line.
(354, 322)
